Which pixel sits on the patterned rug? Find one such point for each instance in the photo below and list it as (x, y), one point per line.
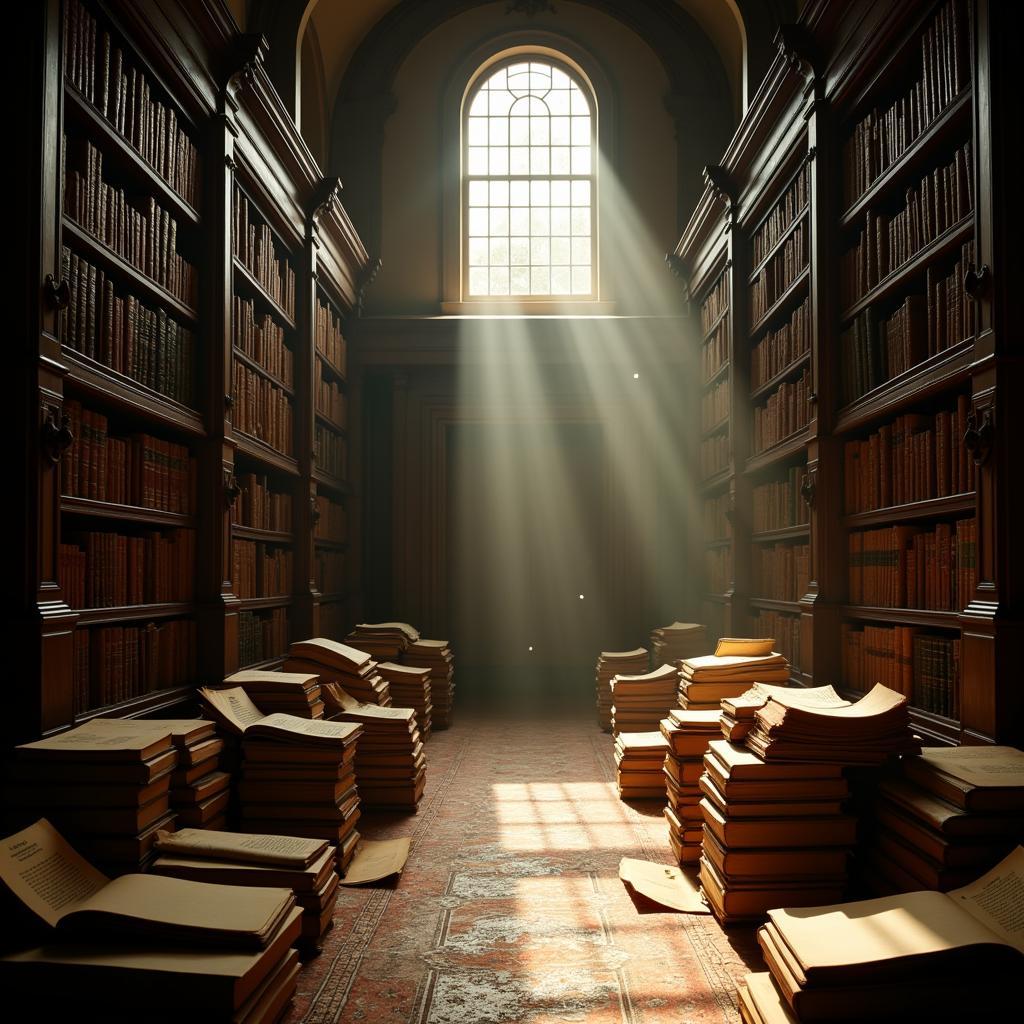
(510, 909)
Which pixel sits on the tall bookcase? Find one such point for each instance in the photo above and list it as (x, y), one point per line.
(860, 514)
(187, 489)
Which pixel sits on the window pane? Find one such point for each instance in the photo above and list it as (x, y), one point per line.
(559, 193)
(478, 193)
(578, 103)
(519, 193)
(559, 220)
(499, 252)
(519, 160)
(519, 220)
(478, 281)
(499, 160)
(558, 101)
(539, 161)
(499, 192)
(560, 160)
(478, 221)
(581, 281)
(477, 160)
(519, 251)
(540, 251)
(540, 192)
(559, 251)
(498, 134)
(560, 281)
(539, 131)
(540, 281)
(580, 131)
(581, 220)
(477, 131)
(540, 221)
(499, 220)
(580, 251)
(520, 284)
(580, 159)
(560, 133)
(519, 131)
(581, 193)
(478, 252)
(499, 280)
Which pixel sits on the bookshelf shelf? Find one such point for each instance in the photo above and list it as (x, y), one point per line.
(250, 604)
(238, 354)
(87, 244)
(785, 374)
(127, 159)
(939, 373)
(715, 324)
(132, 613)
(718, 375)
(331, 424)
(784, 451)
(924, 150)
(339, 378)
(903, 616)
(336, 598)
(331, 545)
(261, 452)
(716, 481)
(723, 542)
(268, 536)
(788, 533)
(722, 424)
(255, 290)
(99, 383)
(800, 216)
(935, 508)
(88, 508)
(796, 290)
(717, 598)
(895, 282)
(144, 704)
(787, 607)
(332, 483)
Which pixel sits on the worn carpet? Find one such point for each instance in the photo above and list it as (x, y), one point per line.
(510, 909)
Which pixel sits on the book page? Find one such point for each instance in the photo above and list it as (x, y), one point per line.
(375, 860)
(101, 734)
(278, 678)
(985, 767)
(373, 711)
(45, 873)
(282, 851)
(997, 898)
(234, 706)
(339, 697)
(322, 644)
(663, 884)
(747, 647)
(316, 727)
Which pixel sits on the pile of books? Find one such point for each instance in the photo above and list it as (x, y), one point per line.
(706, 681)
(141, 946)
(688, 734)
(613, 663)
(298, 774)
(949, 816)
(639, 762)
(640, 702)
(915, 956)
(674, 643)
(410, 688)
(354, 671)
(437, 656)
(384, 641)
(106, 784)
(737, 718)
(390, 764)
(306, 866)
(291, 693)
(200, 789)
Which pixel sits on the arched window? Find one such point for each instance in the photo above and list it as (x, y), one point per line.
(529, 186)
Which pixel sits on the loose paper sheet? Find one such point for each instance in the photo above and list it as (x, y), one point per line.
(997, 898)
(375, 860)
(663, 884)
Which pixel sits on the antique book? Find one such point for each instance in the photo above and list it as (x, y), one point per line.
(279, 851)
(971, 778)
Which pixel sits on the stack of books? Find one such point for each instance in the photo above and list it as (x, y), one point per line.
(384, 641)
(291, 693)
(354, 671)
(298, 774)
(915, 956)
(640, 761)
(390, 764)
(950, 815)
(609, 664)
(410, 688)
(774, 834)
(200, 789)
(677, 642)
(737, 718)
(306, 866)
(688, 734)
(437, 656)
(706, 681)
(106, 784)
(640, 702)
(141, 945)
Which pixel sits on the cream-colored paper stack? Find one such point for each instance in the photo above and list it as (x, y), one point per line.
(640, 702)
(613, 663)
(353, 670)
(704, 682)
(639, 762)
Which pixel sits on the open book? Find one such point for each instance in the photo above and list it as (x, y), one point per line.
(59, 886)
(279, 851)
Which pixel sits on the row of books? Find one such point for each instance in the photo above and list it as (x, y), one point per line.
(791, 205)
(111, 570)
(115, 663)
(330, 451)
(717, 525)
(706, 680)
(781, 572)
(874, 350)
(910, 567)
(262, 340)
(714, 454)
(786, 411)
(779, 272)
(260, 506)
(781, 347)
(328, 399)
(943, 199)
(914, 458)
(686, 734)
(328, 339)
(714, 353)
(714, 405)
(331, 521)
(923, 666)
(136, 470)
(881, 138)
(330, 571)
(715, 303)
(639, 703)
(718, 569)
(779, 504)
(262, 635)
(117, 330)
(260, 570)
(254, 246)
(123, 94)
(786, 631)
(410, 688)
(261, 409)
(144, 235)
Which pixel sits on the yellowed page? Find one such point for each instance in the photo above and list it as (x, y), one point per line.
(45, 873)
(979, 766)
(375, 860)
(107, 734)
(234, 706)
(878, 701)
(339, 697)
(314, 728)
(310, 647)
(281, 851)
(663, 884)
(997, 898)
(373, 711)
(747, 647)
(263, 676)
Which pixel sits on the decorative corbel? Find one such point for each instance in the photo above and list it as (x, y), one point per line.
(809, 487)
(55, 433)
(326, 195)
(979, 436)
(249, 54)
(716, 179)
(977, 280)
(366, 278)
(797, 49)
(231, 488)
(58, 293)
